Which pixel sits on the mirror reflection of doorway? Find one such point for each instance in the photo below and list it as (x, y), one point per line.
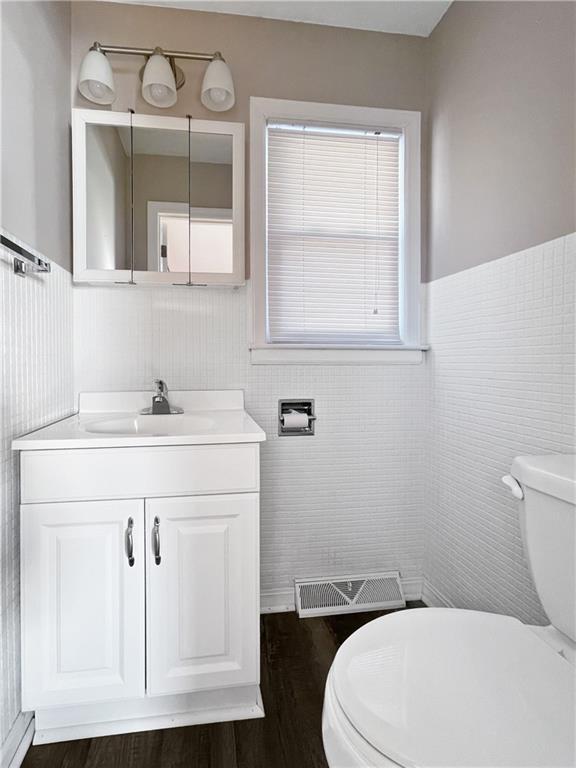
(211, 240)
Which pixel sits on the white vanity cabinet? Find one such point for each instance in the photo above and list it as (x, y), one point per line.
(85, 602)
(141, 612)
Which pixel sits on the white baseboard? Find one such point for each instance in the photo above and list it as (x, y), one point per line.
(434, 598)
(282, 600)
(86, 721)
(412, 588)
(277, 601)
(16, 744)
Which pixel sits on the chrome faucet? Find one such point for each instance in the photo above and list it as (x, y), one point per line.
(160, 403)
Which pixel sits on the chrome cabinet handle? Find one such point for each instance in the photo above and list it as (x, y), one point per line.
(156, 540)
(130, 542)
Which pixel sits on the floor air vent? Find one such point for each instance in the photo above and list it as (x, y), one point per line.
(375, 591)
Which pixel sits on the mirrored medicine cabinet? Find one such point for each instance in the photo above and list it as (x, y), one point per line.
(157, 199)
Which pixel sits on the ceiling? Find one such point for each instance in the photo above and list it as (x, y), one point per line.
(406, 17)
(206, 147)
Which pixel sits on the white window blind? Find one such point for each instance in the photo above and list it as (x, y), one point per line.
(333, 235)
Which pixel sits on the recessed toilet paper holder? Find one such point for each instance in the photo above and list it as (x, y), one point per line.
(300, 412)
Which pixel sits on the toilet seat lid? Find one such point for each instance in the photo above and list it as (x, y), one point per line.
(455, 688)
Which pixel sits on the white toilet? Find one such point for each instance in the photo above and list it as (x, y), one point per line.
(452, 688)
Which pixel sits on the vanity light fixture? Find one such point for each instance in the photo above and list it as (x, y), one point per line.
(159, 81)
(96, 79)
(161, 78)
(217, 86)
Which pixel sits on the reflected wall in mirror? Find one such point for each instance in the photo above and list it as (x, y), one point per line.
(172, 231)
(160, 173)
(108, 229)
(157, 199)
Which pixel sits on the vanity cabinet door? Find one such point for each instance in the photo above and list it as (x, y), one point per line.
(202, 582)
(82, 602)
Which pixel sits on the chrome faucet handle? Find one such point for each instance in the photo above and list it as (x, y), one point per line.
(161, 388)
(160, 404)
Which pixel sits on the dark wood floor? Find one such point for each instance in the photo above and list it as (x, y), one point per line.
(296, 656)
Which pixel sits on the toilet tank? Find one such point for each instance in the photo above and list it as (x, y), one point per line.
(548, 523)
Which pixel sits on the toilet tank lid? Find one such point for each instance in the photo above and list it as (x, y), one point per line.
(554, 475)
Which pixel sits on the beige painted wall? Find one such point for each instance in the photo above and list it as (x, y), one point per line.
(497, 78)
(277, 59)
(35, 201)
(268, 58)
(501, 85)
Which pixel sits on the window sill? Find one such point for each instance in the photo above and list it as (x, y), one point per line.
(326, 356)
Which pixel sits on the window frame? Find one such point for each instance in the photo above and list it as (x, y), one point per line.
(408, 122)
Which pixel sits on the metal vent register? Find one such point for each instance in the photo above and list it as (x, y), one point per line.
(349, 594)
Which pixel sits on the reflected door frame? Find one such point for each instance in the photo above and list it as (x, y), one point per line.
(158, 208)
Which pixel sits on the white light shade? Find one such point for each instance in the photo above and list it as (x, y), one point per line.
(217, 87)
(96, 81)
(158, 82)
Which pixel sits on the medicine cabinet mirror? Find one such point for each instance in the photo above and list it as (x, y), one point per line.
(157, 199)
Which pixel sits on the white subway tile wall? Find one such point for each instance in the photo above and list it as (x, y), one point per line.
(36, 382)
(405, 457)
(501, 369)
(349, 499)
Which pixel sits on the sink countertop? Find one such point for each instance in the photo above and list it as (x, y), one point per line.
(210, 417)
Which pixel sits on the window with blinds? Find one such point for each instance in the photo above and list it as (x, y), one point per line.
(333, 223)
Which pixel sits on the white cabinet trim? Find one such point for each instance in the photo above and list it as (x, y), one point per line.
(130, 473)
(148, 714)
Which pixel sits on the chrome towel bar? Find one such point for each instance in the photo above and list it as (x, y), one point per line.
(24, 261)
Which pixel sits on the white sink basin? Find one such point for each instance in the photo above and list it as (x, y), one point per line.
(160, 425)
(115, 420)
